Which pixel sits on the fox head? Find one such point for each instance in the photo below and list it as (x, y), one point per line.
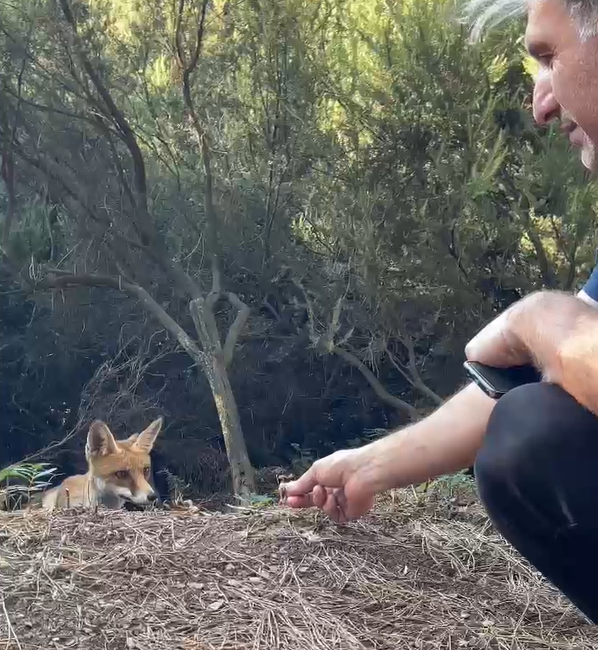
(121, 469)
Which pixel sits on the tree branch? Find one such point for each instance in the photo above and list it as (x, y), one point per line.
(236, 328)
(413, 376)
(202, 313)
(7, 169)
(187, 69)
(73, 195)
(402, 406)
(57, 111)
(64, 281)
(545, 269)
(311, 317)
(144, 226)
(117, 117)
(454, 252)
(326, 344)
(335, 325)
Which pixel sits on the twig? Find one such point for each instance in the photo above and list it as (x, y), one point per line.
(11, 632)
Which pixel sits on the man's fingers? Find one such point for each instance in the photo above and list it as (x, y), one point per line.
(299, 501)
(496, 345)
(315, 499)
(341, 502)
(319, 496)
(303, 485)
(332, 501)
(331, 507)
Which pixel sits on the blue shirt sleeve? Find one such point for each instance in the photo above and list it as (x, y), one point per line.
(591, 286)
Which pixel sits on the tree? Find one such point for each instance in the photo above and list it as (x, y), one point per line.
(79, 94)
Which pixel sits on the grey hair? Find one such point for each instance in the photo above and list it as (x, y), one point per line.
(483, 14)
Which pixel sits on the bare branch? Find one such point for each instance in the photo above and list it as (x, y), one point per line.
(143, 225)
(57, 111)
(7, 171)
(199, 37)
(326, 344)
(335, 324)
(181, 281)
(15, 269)
(454, 251)
(311, 317)
(396, 402)
(202, 313)
(534, 236)
(116, 160)
(117, 117)
(413, 376)
(187, 69)
(63, 281)
(236, 328)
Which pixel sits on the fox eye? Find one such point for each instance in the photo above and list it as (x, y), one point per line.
(146, 471)
(122, 474)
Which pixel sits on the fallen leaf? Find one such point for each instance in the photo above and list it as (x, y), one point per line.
(216, 605)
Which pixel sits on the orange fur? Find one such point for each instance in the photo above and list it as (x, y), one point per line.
(118, 471)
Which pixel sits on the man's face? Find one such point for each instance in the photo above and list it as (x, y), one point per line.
(566, 86)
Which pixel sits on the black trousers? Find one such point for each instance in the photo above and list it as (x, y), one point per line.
(537, 474)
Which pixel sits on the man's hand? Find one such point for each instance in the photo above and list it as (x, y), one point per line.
(554, 330)
(336, 484)
(498, 344)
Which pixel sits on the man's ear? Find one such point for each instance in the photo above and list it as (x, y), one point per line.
(148, 436)
(100, 441)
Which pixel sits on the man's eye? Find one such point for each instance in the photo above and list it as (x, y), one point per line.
(121, 474)
(545, 60)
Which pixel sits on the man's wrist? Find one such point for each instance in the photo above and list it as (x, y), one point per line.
(375, 464)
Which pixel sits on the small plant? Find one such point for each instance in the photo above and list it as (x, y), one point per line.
(302, 461)
(18, 482)
(178, 488)
(261, 501)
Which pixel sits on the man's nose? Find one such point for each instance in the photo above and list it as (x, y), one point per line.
(546, 106)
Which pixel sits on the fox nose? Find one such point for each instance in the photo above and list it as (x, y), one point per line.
(152, 497)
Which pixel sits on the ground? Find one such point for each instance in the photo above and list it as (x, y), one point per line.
(421, 572)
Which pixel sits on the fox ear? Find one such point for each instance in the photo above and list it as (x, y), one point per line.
(147, 437)
(100, 441)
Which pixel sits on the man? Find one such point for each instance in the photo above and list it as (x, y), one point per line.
(536, 449)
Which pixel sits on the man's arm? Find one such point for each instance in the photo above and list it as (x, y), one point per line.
(344, 483)
(559, 332)
(445, 442)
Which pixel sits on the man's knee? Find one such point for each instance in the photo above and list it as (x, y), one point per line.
(530, 424)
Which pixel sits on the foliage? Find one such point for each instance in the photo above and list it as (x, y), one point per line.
(289, 216)
(30, 473)
(18, 482)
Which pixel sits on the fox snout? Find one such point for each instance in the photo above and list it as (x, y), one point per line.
(141, 495)
(138, 497)
(151, 497)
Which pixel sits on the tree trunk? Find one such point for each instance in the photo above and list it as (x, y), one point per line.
(215, 369)
(236, 450)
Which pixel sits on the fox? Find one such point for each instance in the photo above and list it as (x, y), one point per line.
(118, 471)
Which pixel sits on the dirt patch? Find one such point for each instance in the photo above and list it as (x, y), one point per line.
(415, 574)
